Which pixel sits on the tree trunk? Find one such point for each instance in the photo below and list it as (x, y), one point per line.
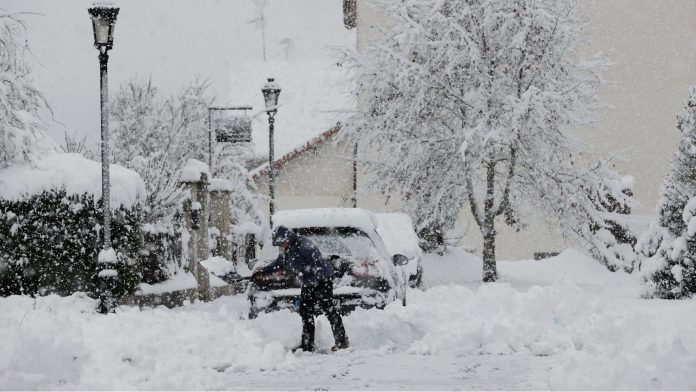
(490, 273)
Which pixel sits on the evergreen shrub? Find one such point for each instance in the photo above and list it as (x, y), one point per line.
(668, 248)
(49, 243)
(161, 254)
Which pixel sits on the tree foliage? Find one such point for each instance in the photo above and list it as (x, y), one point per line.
(668, 248)
(21, 128)
(155, 136)
(470, 104)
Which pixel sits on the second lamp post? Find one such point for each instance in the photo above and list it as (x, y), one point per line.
(271, 91)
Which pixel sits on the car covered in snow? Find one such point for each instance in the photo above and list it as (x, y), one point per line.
(366, 274)
(398, 234)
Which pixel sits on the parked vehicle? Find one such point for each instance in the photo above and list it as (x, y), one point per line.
(365, 273)
(399, 236)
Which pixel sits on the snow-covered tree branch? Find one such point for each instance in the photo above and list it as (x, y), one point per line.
(668, 248)
(156, 135)
(21, 129)
(470, 103)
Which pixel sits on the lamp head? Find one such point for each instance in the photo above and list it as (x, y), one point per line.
(103, 20)
(271, 91)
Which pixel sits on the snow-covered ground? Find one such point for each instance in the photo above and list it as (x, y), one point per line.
(562, 323)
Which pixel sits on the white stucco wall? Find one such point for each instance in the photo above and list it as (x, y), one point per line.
(652, 45)
(320, 177)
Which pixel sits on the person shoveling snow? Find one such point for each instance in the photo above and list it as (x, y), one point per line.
(300, 255)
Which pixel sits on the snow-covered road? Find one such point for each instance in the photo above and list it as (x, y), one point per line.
(564, 323)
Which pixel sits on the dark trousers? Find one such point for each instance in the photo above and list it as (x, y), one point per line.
(320, 297)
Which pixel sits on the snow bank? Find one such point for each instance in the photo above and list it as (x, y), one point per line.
(218, 266)
(572, 265)
(457, 266)
(454, 267)
(595, 340)
(180, 281)
(73, 172)
(61, 343)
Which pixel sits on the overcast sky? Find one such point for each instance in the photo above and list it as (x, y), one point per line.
(173, 41)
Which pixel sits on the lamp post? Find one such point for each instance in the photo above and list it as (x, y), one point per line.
(271, 91)
(103, 20)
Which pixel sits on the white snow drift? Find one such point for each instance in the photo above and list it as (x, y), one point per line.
(557, 309)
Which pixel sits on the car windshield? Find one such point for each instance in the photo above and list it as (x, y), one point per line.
(346, 242)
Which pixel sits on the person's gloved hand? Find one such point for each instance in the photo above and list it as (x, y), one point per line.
(258, 276)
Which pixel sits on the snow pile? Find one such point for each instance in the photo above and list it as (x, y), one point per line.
(107, 256)
(591, 338)
(454, 267)
(61, 343)
(572, 265)
(218, 266)
(73, 172)
(192, 171)
(179, 281)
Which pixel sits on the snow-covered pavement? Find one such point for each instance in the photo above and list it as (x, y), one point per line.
(564, 323)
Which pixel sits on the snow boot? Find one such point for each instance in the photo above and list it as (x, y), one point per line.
(340, 346)
(301, 348)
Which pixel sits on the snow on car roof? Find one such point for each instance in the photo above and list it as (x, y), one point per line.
(326, 217)
(396, 230)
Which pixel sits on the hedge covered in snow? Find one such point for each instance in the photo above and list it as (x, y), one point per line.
(49, 243)
(50, 225)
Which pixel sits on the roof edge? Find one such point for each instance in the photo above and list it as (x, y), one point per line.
(262, 170)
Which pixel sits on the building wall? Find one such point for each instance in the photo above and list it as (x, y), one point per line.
(652, 45)
(320, 177)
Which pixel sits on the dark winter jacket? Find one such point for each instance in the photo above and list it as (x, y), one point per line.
(302, 257)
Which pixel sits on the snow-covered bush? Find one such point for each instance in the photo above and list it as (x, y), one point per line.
(50, 224)
(615, 199)
(470, 104)
(49, 243)
(161, 255)
(668, 248)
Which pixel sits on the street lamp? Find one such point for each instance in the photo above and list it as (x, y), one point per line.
(103, 20)
(271, 91)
